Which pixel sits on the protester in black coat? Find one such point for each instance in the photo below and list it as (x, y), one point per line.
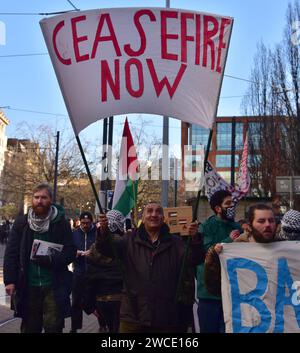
(152, 260)
(83, 237)
(40, 285)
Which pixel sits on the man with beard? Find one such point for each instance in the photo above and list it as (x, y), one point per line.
(40, 285)
(262, 224)
(262, 229)
(217, 228)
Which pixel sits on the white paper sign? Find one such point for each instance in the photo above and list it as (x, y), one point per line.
(138, 60)
(261, 287)
(42, 247)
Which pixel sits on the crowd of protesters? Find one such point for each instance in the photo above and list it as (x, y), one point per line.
(129, 278)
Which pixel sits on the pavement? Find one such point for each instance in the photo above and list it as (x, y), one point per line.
(9, 324)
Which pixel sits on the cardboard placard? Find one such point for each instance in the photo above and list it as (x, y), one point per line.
(178, 219)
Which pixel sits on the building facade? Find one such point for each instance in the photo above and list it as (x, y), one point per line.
(20, 172)
(223, 145)
(228, 139)
(265, 160)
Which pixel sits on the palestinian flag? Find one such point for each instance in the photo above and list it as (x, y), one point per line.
(125, 195)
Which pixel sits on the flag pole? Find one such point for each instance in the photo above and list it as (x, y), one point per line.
(134, 210)
(104, 167)
(89, 174)
(56, 168)
(165, 156)
(109, 159)
(188, 243)
(233, 138)
(135, 203)
(195, 212)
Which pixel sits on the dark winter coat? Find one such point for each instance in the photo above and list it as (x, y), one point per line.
(215, 230)
(151, 275)
(212, 268)
(83, 241)
(17, 258)
(103, 277)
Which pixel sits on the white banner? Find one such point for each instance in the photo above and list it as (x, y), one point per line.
(261, 287)
(138, 60)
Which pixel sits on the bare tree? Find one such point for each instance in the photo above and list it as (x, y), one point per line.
(273, 96)
(31, 160)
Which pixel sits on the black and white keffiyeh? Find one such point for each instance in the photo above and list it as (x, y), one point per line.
(115, 221)
(41, 225)
(290, 226)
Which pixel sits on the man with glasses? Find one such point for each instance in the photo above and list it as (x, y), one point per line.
(83, 238)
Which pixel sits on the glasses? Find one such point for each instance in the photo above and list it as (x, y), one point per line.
(85, 223)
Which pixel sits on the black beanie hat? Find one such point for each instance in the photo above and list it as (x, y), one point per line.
(86, 215)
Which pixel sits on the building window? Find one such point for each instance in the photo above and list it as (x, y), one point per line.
(199, 136)
(224, 136)
(224, 161)
(254, 134)
(239, 142)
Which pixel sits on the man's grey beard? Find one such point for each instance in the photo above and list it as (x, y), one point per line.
(259, 238)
